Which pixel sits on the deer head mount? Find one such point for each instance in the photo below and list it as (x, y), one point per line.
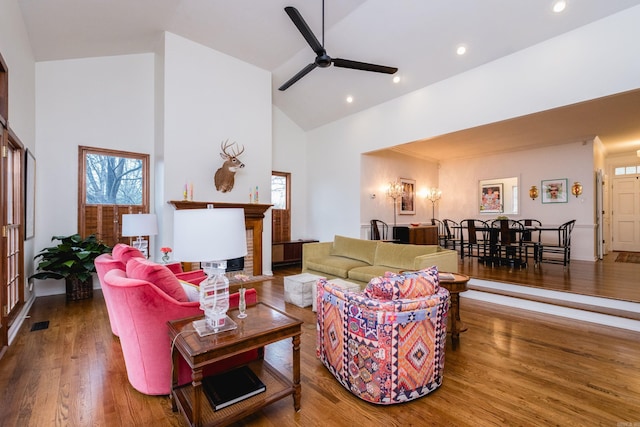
(225, 176)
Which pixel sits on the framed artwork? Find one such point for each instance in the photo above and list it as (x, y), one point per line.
(554, 190)
(30, 195)
(408, 200)
(491, 198)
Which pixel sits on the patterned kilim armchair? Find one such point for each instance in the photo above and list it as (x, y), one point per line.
(385, 344)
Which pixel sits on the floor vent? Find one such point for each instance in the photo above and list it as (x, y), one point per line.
(40, 325)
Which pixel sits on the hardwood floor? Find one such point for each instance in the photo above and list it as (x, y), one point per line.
(511, 367)
(606, 278)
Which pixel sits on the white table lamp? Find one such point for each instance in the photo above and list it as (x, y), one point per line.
(140, 225)
(211, 237)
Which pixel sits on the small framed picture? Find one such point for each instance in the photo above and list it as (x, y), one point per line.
(408, 201)
(491, 198)
(554, 190)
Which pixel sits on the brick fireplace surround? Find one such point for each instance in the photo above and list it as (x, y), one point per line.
(253, 219)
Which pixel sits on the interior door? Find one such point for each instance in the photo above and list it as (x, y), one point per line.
(12, 251)
(600, 243)
(626, 213)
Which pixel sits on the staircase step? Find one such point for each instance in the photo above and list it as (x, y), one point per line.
(607, 311)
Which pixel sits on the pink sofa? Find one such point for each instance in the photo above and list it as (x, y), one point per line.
(386, 344)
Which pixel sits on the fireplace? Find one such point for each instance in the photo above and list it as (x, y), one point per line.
(253, 219)
(235, 264)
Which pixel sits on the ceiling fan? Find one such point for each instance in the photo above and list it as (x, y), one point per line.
(322, 59)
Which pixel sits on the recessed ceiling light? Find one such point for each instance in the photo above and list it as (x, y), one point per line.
(396, 79)
(461, 50)
(349, 99)
(559, 6)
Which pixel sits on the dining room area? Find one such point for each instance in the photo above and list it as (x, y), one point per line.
(505, 242)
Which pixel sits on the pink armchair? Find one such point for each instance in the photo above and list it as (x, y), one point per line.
(142, 309)
(385, 344)
(118, 258)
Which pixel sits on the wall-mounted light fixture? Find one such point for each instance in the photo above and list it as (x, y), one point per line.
(576, 189)
(533, 192)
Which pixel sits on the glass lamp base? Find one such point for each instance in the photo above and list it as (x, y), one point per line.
(203, 329)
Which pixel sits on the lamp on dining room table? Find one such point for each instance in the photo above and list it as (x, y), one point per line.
(434, 195)
(211, 237)
(140, 225)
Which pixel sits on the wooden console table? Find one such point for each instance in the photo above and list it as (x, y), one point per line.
(420, 235)
(253, 217)
(290, 252)
(263, 325)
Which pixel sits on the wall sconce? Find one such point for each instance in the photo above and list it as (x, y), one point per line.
(533, 192)
(576, 189)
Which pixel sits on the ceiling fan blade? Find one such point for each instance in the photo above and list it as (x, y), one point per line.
(306, 70)
(304, 29)
(346, 63)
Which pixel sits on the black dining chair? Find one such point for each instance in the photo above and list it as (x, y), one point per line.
(452, 234)
(379, 230)
(474, 238)
(530, 239)
(555, 247)
(505, 243)
(442, 233)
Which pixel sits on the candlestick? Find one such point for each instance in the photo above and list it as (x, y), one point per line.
(191, 191)
(256, 198)
(184, 193)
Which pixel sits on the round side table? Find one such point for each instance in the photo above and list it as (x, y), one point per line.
(455, 286)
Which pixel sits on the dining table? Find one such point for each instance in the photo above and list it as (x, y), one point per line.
(506, 244)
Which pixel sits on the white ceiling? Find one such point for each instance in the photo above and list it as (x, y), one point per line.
(417, 36)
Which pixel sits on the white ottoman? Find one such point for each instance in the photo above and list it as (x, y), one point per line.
(347, 286)
(300, 289)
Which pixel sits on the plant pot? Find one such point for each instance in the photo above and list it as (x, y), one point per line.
(78, 289)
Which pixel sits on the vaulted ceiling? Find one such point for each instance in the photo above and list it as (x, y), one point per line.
(418, 37)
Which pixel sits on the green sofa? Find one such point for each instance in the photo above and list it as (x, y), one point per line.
(359, 261)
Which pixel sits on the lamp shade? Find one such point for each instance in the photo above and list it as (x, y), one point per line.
(202, 235)
(139, 225)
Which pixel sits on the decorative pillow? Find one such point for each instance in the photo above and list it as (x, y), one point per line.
(409, 285)
(192, 291)
(159, 275)
(124, 253)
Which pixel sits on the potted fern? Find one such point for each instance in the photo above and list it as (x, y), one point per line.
(72, 260)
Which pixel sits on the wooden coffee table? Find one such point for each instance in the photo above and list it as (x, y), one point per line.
(455, 286)
(263, 325)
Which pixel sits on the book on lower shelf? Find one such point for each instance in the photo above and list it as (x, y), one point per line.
(232, 386)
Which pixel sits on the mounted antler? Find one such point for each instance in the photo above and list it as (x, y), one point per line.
(225, 176)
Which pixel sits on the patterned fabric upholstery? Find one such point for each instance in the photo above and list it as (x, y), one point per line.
(384, 351)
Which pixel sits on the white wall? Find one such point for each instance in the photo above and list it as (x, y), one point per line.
(587, 63)
(290, 156)
(103, 102)
(377, 171)
(210, 97)
(574, 161)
